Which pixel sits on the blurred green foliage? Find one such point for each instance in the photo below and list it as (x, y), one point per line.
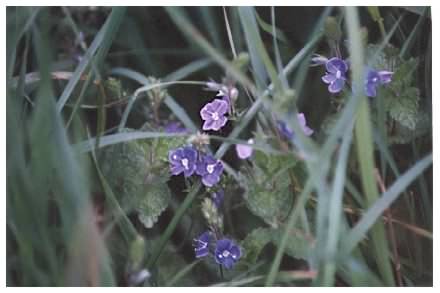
(83, 214)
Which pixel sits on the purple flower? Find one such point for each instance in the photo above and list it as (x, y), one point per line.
(302, 121)
(175, 127)
(213, 114)
(210, 169)
(227, 253)
(288, 133)
(217, 197)
(335, 76)
(201, 244)
(374, 79)
(183, 160)
(244, 151)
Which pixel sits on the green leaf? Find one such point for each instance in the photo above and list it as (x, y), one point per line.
(268, 189)
(268, 29)
(153, 203)
(253, 244)
(138, 177)
(299, 245)
(404, 109)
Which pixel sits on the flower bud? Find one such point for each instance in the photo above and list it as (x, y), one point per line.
(211, 214)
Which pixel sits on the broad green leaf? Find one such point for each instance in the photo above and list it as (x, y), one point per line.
(253, 244)
(138, 177)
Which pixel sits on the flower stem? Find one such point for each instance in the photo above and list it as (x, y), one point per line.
(157, 250)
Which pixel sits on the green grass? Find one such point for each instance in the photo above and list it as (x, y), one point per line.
(67, 222)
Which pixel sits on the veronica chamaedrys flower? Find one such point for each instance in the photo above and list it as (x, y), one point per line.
(288, 133)
(201, 244)
(214, 114)
(217, 197)
(227, 253)
(175, 127)
(210, 169)
(183, 160)
(244, 151)
(335, 75)
(374, 79)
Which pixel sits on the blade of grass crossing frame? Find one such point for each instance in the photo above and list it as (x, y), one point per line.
(169, 101)
(157, 250)
(413, 35)
(194, 35)
(104, 36)
(258, 52)
(302, 199)
(335, 211)
(364, 145)
(375, 211)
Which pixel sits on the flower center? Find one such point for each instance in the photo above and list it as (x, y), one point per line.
(338, 74)
(185, 163)
(215, 116)
(226, 253)
(374, 79)
(210, 168)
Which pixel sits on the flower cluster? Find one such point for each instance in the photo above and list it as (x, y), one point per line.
(225, 251)
(336, 75)
(189, 161)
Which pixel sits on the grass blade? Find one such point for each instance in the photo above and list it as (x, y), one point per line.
(364, 144)
(384, 202)
(302, 199)
(104, 36)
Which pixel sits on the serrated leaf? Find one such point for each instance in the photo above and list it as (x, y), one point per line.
(268, 187)
(299, 245)
(137, 178)
(253, 244)
(404, 109)
(153, 203)
(402, 135)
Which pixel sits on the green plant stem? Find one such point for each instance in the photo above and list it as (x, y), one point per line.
(290, 224)
(172, 225)
(364, 144)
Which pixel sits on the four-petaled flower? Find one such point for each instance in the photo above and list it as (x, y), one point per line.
(210, 169)
(183, 160)
(214, 114)
(201, 244)
(217, 197)
(288, 133)
(374, 79)
(335, 76)
(244, 151)
(227, 253)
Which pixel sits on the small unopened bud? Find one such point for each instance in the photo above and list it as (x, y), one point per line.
(318, 60)
(199, 139)
(233, 94)
(213, 85)
(211, 214)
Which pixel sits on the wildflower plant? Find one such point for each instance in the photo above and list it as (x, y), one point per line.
(291, 168)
